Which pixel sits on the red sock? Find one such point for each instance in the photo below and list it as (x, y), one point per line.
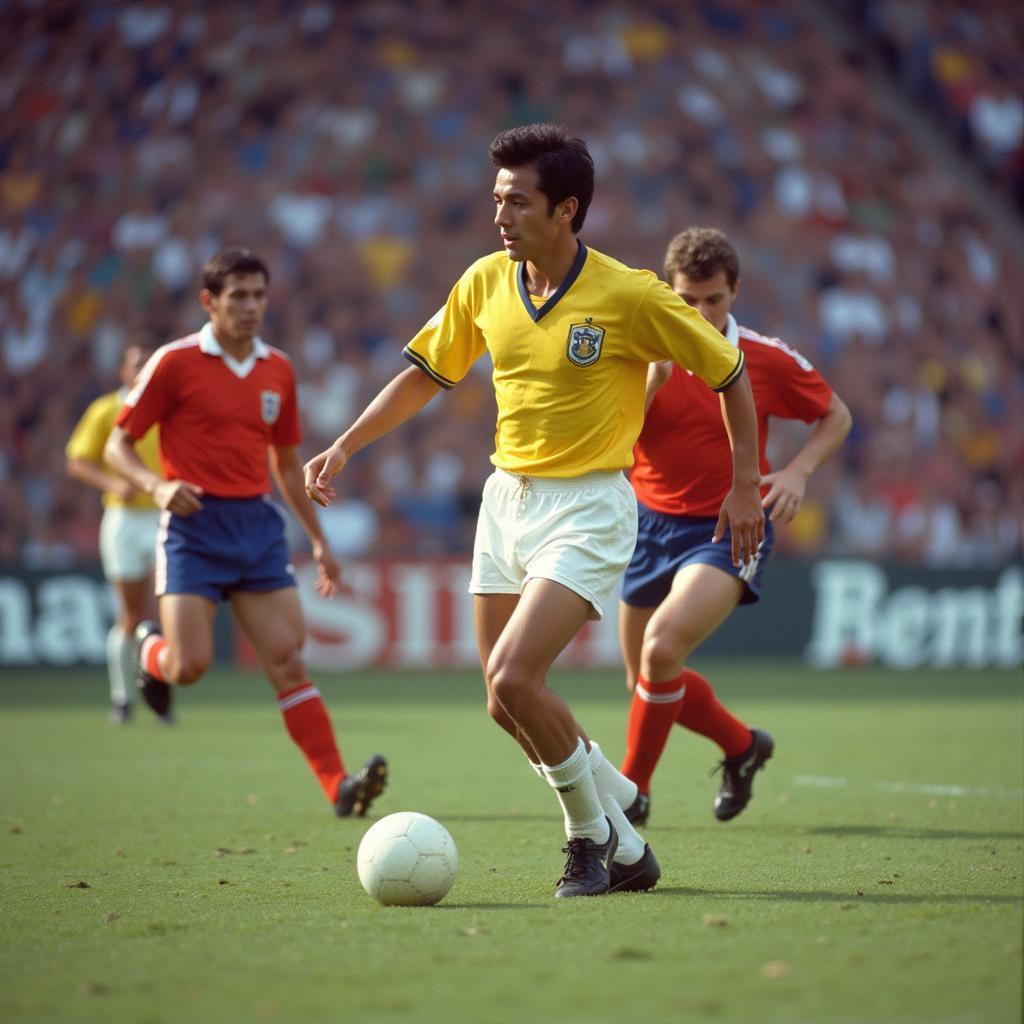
(308, 723)
(651, 716)
(150, 656)
(700, 712)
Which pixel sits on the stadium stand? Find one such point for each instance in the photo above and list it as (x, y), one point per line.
(347, 143)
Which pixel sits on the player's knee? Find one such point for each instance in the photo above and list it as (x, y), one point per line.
(189, 670)
(662, 655)
(509, 686)
(290, 667)
(500, 715)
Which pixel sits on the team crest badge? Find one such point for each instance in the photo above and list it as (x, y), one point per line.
(585, 342)
(270, 406)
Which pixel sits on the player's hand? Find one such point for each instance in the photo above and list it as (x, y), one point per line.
(318, 473)
(178, 497)
(742, 513)
(786, 489)
(328, 570)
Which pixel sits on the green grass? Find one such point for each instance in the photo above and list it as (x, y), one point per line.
(856, 887)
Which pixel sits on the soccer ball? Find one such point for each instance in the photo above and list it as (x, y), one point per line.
(407, 860)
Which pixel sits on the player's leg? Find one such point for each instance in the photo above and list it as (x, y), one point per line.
(127, 564)
(120, 657)
(544, 620)
(177, 650)
(185, 651)
(745, 750)
(133, 599)
(632, 625)
(701, 599)
(491, 613)
(274, 623)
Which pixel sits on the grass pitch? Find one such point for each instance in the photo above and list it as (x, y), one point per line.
(196, 873)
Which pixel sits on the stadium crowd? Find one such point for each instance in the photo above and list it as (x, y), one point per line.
(347, 144)
(966, 62)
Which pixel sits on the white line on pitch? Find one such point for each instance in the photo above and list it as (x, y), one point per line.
(923, 788)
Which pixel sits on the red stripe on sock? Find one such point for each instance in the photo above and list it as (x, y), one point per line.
(310, 727)
(700, 712)
(648, 729)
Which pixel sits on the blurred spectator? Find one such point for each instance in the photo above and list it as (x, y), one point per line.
(966, 61)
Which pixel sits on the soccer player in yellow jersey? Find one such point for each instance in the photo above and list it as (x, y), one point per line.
(570, 333)
(127, 530)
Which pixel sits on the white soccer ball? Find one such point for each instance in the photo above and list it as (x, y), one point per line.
(407, 860)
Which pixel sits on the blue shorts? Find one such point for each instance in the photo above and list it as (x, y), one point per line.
(230, 544)
(665, 543)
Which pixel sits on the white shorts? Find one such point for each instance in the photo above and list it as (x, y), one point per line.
(579, 532)
(128, 542)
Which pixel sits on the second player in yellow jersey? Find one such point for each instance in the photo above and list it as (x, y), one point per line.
(128, 529)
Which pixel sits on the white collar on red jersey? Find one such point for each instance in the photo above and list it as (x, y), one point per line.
(732, 330)
(209, 345)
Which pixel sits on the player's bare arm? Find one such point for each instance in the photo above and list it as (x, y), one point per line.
(93, 474)
(741, 509)
(399, 400)
(287, 472)
(657, 375)
(788, 485)
(177, 496)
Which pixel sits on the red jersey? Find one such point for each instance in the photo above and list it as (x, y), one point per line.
(683, 460)
(217, 416)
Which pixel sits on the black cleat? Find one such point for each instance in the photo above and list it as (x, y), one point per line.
(155, 693)
(738, 776)
(357, 792)
(120, 714)
(639, 810)
(588, 866)
(638, 877)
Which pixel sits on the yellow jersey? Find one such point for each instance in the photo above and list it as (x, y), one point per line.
(570, 371)
(91, 433)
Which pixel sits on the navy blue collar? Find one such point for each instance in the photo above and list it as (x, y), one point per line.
(574, 272)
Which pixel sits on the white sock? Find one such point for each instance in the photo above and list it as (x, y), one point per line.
(573, 781)
(118, 642)
(616, 792)
(128, 663)
(610, 781)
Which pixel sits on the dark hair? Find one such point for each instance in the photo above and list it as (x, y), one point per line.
(700, 253)
(232, 261)
(564, 165)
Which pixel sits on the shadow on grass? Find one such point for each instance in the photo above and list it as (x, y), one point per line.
(503, 818)
(711, 833)
(493, 906)
(896, 832)
(886, 898)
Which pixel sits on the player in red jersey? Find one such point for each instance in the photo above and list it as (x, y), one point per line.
(225, 401)
(681, 584)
